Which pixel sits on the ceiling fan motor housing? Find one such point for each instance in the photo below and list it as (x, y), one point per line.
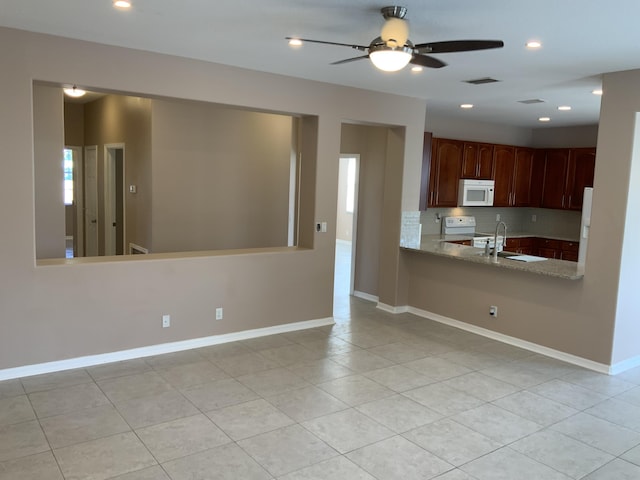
(395, 31)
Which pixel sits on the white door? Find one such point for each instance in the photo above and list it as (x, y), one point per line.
(113, 198)
(91, 200)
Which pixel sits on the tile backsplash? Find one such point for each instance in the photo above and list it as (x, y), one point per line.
(559, 223)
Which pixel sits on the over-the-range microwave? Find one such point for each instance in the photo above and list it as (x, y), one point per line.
(475, 193)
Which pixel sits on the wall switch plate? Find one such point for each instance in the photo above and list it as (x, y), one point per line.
(166, 321)
(321, 227)
(534, 218)
(493, 311)
(219, 313)
(133, 189)
(497, 217)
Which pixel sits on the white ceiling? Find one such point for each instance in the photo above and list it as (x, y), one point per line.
(581, 40)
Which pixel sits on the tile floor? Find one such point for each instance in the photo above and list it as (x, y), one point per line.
(376, 396)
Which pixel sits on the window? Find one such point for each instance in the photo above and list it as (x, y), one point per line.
(68, 176)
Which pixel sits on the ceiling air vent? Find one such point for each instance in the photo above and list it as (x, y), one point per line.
(481, 81)
(531, 101)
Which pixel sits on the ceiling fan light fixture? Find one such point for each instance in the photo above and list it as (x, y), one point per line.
(395, 32)
(390, 59)
(295, 42)
(74, 92)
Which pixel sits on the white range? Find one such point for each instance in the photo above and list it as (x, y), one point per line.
(466, 225)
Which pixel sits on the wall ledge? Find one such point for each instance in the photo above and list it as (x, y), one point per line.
(100, 359)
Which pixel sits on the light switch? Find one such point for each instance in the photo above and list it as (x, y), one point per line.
(132, 189)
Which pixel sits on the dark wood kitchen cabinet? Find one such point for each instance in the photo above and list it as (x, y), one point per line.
(444, 172)
(477, 160)
(512, 174)
(567, 172)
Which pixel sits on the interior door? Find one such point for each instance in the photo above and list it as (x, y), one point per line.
(91, 200)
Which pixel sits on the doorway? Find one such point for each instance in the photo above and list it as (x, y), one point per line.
(114, 222)
(346, 229)
(90, 208)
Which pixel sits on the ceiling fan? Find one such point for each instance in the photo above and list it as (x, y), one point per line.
(392, 50)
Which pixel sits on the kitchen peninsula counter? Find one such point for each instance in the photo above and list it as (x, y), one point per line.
(439, 245)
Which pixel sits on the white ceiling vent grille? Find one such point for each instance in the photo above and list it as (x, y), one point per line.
(481, 81)
(531, 101)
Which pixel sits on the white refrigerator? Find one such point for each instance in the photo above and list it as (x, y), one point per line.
(585, 225)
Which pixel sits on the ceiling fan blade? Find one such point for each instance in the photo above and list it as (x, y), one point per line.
(348, 60)
(362, 48)
(426, 61)
(458, 46)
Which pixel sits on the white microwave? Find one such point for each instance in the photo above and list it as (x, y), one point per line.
(475, 193)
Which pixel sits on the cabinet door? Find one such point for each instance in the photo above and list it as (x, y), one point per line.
(582, 162)
(503, 169)
(537, 178)
(522, 177)
(448, 165)
(470, 160)
(485, 161)
(425, 187)
(555, 177)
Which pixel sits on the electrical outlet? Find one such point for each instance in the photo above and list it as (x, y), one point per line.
(219, 313)
(493, 311)
(166, 321)
(497, 217)
(534, 218)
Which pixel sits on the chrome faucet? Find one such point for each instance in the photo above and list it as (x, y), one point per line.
(495, 239)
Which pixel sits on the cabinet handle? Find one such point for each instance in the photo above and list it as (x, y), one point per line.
(562, 201)
(569, 204)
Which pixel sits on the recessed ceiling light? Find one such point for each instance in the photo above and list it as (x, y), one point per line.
(466, 105)
(122, 4)
(533, 44)
(74, 91)
(597, 91)
(564, 107)
(295, 42)
(417, 68)
(544, 119)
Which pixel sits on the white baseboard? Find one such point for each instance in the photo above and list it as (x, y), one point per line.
(365, 296)
(625, 365)
(91, 360)
(533, 347)
(392, 309)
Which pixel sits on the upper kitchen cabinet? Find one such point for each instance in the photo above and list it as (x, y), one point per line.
(445, 168)
(512, 168)
(567, 172)
(477, 161)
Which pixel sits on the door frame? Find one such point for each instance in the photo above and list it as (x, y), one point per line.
(78, 199)
(88, 189)
(109, 194)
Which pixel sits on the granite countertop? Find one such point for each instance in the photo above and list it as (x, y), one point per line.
(438, 245)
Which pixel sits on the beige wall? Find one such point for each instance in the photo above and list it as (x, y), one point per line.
(220, 177)
(371, 144)
(115, 119)
(61, 310)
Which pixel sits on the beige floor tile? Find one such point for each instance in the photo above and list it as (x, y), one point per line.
(161, 408)
(362, 361)
(267, 342)
(219, 394)
(598, 382)
(173, 359)
(562, 453)
(516, 374)
(619, 412)
(228, 462)
(356, 389)
(245, 364)
(21, 439)
(104, 458)
(134, 386)
(42, 466)
(569, 394)
(332, 469)
(191, 374)
(616, 470)
(507, 464)
(287, 449)
(320, 371)
(473, 359)
(398, 413)
(399, 378)
(182, 437)
(307, 403)
(397, 457)
(452, 442)
(248, 419)
(49, 381)
(496, 423)
(119, 369)
(631, 396)
(437, 368)
(292, 354)
(443, 399)
(11, 388)
(482, 386)
(632, 455)
(272, 382)
(535, 408)
(399, 352)
(223, 350)
(329, 346)
(15, 410)
(83, 425)
(67, 399)
(151, 473)
(347, 430)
